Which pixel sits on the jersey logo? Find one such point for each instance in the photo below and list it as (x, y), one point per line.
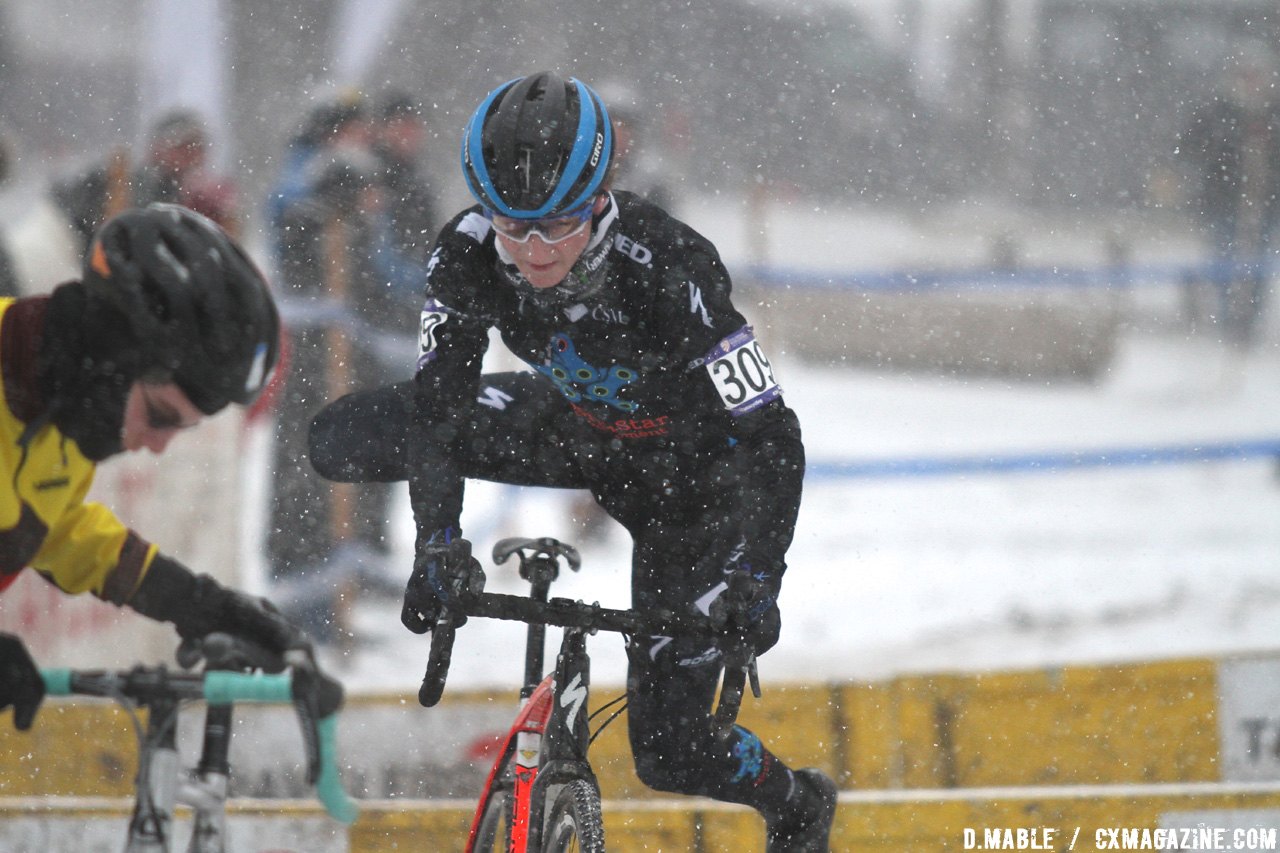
(52, 483)
(749, 753)
(494, 398)
(433, 316)
(432, 263)
(741, 374)
(696, 305)
(659, 644)
(633, 250)
(578, 380)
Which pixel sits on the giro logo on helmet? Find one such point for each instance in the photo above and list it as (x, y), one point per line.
(596, 149)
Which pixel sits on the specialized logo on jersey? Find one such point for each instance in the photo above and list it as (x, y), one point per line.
(578, 380)
(434, 314)
(494, 398)
(741, 374)
(696, 305)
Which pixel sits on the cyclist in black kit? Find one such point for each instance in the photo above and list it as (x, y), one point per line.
(648, 388)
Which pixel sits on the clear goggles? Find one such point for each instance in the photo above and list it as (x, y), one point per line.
(554, 230)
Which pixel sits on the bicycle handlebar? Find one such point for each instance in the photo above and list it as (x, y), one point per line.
(561, 612)
(215, 687)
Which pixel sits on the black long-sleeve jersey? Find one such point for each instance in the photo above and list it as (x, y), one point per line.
(645, 348)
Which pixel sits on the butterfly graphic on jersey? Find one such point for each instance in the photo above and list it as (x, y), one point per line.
(578, 380)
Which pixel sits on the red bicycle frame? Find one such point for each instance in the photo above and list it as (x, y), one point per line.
(522, 747)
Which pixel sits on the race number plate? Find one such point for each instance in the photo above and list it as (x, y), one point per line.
(741, 374)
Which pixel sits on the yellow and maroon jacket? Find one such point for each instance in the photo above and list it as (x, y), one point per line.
(45, 522)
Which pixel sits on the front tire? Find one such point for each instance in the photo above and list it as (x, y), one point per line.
(576, 824)
(494, 833)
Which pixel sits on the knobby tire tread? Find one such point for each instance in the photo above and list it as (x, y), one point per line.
(575, 817)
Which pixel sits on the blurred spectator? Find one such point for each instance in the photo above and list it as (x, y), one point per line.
(8, 275)
(177, 169)
(637, 164)
(407, 202)
(338, 124)
(43, 247)
(174, 169)
(347, 288)
(6, 157)
(1233, 146)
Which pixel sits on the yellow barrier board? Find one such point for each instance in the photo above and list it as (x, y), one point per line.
(1140, 724)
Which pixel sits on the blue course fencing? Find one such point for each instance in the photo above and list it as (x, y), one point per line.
(1045, 462)
(1217, 272)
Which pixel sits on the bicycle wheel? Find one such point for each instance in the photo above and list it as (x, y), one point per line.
(494, 833)
(576, 824)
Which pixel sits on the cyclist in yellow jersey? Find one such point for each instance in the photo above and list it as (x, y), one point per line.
(169, 323)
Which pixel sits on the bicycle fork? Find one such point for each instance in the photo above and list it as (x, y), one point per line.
(161, 788)
(152, 820)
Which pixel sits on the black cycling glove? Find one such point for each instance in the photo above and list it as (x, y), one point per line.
(20, 684)
(442, 567)
(197, 605)
(748, 608)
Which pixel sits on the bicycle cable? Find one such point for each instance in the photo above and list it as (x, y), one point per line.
(145, 747)
(598, 711)
(143, 784)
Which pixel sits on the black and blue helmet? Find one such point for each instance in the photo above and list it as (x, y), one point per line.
(537, 146)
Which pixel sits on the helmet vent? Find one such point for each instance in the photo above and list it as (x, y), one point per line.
(169, 259)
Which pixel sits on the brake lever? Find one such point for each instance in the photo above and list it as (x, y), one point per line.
(438, 660)
(315, 696)
(442, 636)
(739, 667)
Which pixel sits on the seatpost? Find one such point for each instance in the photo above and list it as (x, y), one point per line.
(539, 571)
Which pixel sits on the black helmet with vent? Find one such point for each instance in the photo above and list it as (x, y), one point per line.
(194, 304)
